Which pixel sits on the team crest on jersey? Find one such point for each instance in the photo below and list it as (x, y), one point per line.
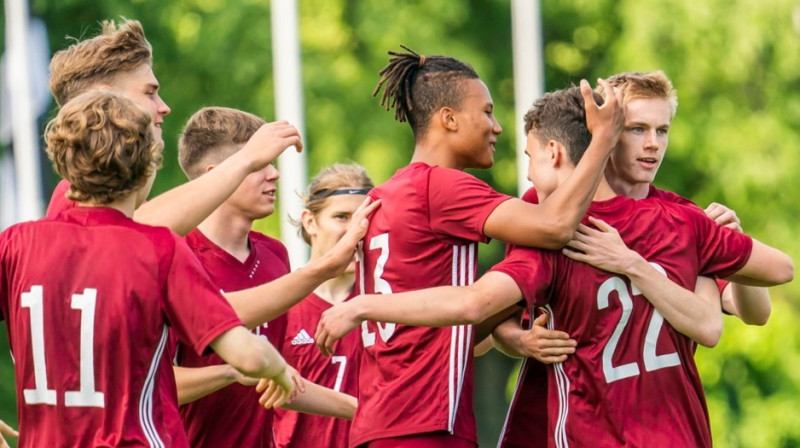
(302, 338)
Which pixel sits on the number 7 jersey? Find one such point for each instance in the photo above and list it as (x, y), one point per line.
(416, 380)
(632, 380)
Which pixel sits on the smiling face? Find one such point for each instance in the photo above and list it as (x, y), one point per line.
(635, 161)
(141, 86)
(474, 142)
(255, 196)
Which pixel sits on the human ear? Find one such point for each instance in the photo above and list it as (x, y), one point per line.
(308, 222)
(448, 119)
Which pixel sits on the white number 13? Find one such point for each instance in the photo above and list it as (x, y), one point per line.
(381, 286)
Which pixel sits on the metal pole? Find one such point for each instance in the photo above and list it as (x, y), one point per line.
(26, 142)
(526, 31)
(289, 106)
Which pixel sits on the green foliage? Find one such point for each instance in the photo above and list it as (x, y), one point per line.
(733, 62)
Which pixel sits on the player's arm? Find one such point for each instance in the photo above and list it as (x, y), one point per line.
(751, 304)
(694, 313)
(194, 383)
(550, 224)
(6, 431)
(254, 356)
(317, 400)
(433, 307)
(546, 346)
(184, 207)
(263, 303)
(766, 266)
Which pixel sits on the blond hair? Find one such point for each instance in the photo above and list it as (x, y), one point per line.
(338, 176)
(81, 66)
(644, 85)
(103, 144)
(211, 135)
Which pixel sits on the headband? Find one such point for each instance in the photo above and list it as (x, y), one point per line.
(327, 193)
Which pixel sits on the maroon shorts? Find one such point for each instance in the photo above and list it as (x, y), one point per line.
(428, 440)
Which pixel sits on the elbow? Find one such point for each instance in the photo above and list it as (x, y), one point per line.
(560, 232)
(758, 319)
(787, 272)
(475, 310)
(711, 335)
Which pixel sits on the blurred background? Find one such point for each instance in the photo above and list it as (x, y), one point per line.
(735, 139)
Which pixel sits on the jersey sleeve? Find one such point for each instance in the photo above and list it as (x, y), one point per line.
(532, 271)
(722, 251)
(459, 204)
(58, 201)
(196, 310)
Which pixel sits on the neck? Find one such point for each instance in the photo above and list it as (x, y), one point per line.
(229, 232)
(337, 289)
(633, 191)
(604, 191)
(430, 150)
(126, 205)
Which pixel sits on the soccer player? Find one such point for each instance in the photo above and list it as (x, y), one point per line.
(120, 59)
(216, 411)
(332, 198)
(426, 234)
(88, 294)
(631, 371)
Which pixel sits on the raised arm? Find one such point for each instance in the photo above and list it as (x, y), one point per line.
(550, 224)
(694, 313)
(434, 307)
(184, 207)
(263, 303)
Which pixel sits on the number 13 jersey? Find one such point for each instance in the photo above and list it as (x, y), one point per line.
(416, 380)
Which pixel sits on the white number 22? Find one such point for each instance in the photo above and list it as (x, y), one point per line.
(86, 396)
(652, 361)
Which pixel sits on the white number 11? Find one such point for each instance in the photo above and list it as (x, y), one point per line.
(87, 395)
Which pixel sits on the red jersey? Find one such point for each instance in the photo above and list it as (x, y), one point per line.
(416, 380)
(58, 201)
(232, 416)
(631, 371)
(87, 296)
(338, 372)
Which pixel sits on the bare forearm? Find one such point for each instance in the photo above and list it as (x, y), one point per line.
(435, 307)
(696, 316)
(320, 400)
(751, 304)
(507, 337)
(196, 383)
(184, 207)
(263, 303)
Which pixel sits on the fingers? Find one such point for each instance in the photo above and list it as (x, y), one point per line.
(601, 225)
(321, 336)
(610, 100)
(262, 384)
(6, 430)
(588, 96)
(271, 395)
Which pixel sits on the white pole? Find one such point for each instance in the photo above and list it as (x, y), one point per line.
(26, 143)
(526, 31)
(289, 106)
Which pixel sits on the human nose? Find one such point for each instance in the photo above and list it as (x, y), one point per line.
(271, 174)
(163, 109)
(496, 128)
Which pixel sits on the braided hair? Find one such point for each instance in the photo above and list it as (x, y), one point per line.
(416, 86)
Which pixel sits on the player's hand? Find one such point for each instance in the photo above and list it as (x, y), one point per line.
(606, 121)
(338, 258)
(334, 324)
(276, 391)
(243, 379)
(6, 431)
(546, 346)
(268, 142)
(723, 216)
(602, 247)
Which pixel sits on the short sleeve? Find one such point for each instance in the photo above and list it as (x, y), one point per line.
(196, 310)
(532, 271)
(459, 204)
(58, 201)
(722, 251)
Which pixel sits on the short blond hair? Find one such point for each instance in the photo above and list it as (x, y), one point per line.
(81, 66)
(335, 177)
(644, 85)
(103, 144)
(211, 135)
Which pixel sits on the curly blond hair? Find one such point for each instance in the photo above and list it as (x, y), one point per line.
(83, 65)
(103, 144)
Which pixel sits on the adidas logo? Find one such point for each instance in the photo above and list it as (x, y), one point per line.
(302, 338)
